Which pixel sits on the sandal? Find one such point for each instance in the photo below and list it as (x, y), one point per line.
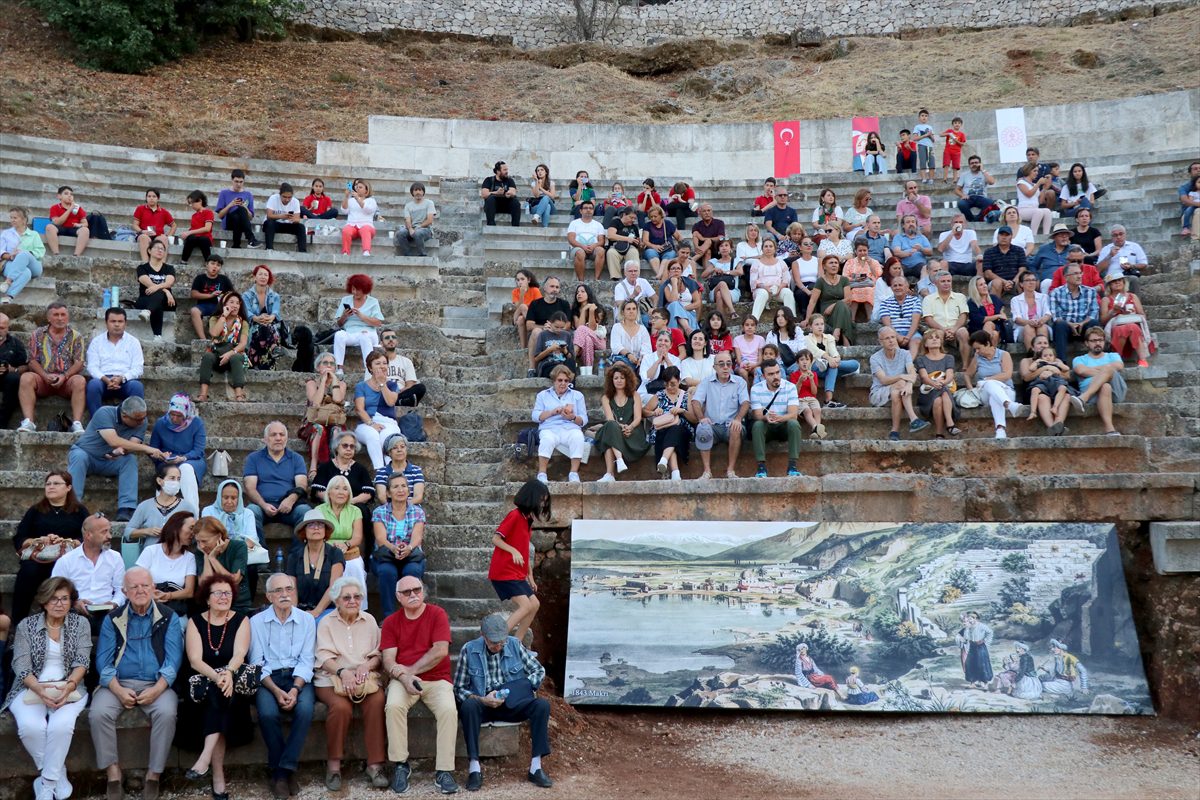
(239, 396)
(954, 431)
(203, 398)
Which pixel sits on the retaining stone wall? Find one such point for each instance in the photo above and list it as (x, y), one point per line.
(543, 23)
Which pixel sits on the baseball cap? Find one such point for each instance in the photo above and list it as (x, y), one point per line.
(704, 436)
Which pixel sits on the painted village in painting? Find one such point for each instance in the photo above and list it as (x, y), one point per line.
(949, 617)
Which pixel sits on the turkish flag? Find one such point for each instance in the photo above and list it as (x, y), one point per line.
(787, 149)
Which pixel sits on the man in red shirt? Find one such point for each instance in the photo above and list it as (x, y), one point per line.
(415, 645)
(67, 218)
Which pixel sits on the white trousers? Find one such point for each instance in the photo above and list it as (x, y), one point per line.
(46, 734)
(373, 440)
(365, 340)
(188, 486)
(996, 394)
(762, 297)
(568, 441)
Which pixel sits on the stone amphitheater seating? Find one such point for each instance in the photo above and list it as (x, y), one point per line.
(454, 324)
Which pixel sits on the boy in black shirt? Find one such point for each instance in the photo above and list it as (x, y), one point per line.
(207, 288)
(539, 315)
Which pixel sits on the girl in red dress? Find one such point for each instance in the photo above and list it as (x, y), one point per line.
(511, 570)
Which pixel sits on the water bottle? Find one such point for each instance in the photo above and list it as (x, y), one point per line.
(502, 694)
(116, 296)
(279, 559)
(601, 363)
(107, 300)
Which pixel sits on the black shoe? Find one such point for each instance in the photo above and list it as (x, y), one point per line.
(400, 778)
(445, 782)
(191, 774)
(293, 785)
(279, 789)
(474, 781)
(124, 515)
(540, 778)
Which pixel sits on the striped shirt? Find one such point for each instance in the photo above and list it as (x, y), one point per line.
(900, 314)
(786, 397)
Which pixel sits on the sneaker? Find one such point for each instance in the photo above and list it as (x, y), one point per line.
(531, 373)
(444, 782)
(1113, 433)
(144, 315)
(377, 777)
(400, 778)
(675, 476)
(366, 253)
(63, 788)
(917, 425)
(794, 473)
(819, 431)
(537, 218)
(1018, 409)
(4, 290)
(573, 477)
(475, 781)
(606, 478)
(761, 473)
(1143, 363)
(255, 244)
(41, 791)
(158, 339)
(27, 426)
(835, 404)
(621, 466)
(1076, 403)
(663, 466)
(1001, 432)
(76, 427)
(894, 436)
(541, 476)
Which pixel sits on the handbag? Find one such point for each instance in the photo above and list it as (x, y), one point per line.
(968, 398)
(328, 413)
(130, 552)
(1128, 319)
(246, 679)
(256, 554)
(412, 426)
(664, 421)
(369, 687)
(786, 354)
(55, 688)
(221, 461)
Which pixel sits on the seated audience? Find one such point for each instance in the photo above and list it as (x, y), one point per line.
(581, 191)
(805, 381)
(628, 340)
(360, 315)
(862, 271)
(697, 364)
(624, 239)
(95, 571)
(396, 446)
(542, 196)
(561, 414)
(720, 404)
(960, 247)
(682, 296)
(51, 653)
(874, 155)
(588, 318)
(540, 312)
(235, 518)
(1078, 193)
(827, 363)
(342, 464)
(855, 218)
(1028, 200)
(774, 407)
(877, 240)
(554, 346)
(235, 209)
(155, 279)
(787, 336)
(900, 310)
(1091, 276)
(827, 299)
(935, 399)
(992, 370)
(146, 525)
(893, 379)
(228, 333)
(1101, 383)
(721, 277)
(525, 292)
(1051, 256)
(347, 674)
(499, 194)
(114, 363)
(778, 216)
(218, 554)
(152, 223)
(805, 267)
(656, 362)
(207, 288)
(171, 563)
(833, 244)
(181, 436)
(324, 413)
(282, 644)
(283, 216)
(55, 363)
(138, 657)
(707, 233)
(680, 203)
(747, 349)
(1047, 378)
(1074, 306)
(748, 249)
(263, 307)
(216, 718)
(670, 430)
(360, 208)
(919, 206)
(199, 235)
(1189, 199)
(13, 362)
(770, 281)
(347, 520)
(764, 200)
(1031, 315)
(400, 369)
(827, 210)
(47, 531)
(21, 253)
(911, 247)
(947, 311)
(1022, 235)
(110, 446)
(1121, 254)
(275, 481)
(1087, 237)
(647, 198)
(1124, 321)
(415, 648)
(585, 237)
(622, 437)
(67, 218)
(660, 237)
(317, 205)
(496, 661)
(375, 401)
(985, 311)
(398, 529)
(1003, 263)
(316, 565)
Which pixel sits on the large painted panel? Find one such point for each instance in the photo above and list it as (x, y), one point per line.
(942, 617)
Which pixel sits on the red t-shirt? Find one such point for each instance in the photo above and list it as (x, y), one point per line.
(907, 148)
(677, 340)
(75, 220)
(808, 388)
(159, 219)
(412, 639)
(514, 529)
(317, 204)
(722, 345)
(199, 219)
(763, 201)
(954, 139)
(654, 198)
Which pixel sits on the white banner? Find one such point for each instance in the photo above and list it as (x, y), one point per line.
(1010, 134)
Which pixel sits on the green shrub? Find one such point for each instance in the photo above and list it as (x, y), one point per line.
(1016, 562)
(823, 647)
(962, 579)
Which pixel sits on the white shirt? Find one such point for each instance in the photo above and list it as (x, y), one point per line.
(586, 232)
(1131, 250)
(809, 270)
(1065, 194)
(1023, 201)
(123, 358)
(96, 583)
(400, 368)
(1021, 310)
(626, 291)
(619, 340)
(959, 250)
(361, 215)
(167, 570)
(275, 203)
(746, 251)
(696, 370)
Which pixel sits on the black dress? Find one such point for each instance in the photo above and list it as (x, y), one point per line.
(216, 713)
(31, 573)
(310, 587)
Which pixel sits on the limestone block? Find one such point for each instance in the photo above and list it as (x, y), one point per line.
(1176, 546)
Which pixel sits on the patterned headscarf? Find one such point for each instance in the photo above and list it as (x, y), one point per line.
(183, 404)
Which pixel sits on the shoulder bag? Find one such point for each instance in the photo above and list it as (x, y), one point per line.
(369, 687)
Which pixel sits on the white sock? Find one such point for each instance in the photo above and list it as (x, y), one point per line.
(675, 475)
(535, 763)
(621, 466)
(474, 766)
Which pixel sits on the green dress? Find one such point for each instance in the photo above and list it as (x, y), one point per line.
(630, 447)
(832, 305)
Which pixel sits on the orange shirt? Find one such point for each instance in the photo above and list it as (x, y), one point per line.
(531, 294)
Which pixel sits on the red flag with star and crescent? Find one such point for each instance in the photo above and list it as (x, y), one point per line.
(787, 149)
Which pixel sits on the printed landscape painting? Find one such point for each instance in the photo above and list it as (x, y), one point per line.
(963, 617)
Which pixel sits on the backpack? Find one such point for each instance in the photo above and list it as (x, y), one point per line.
(527, 443)
(412, 426)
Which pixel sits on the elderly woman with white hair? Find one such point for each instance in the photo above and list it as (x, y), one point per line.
(347, 520)
(347, 674)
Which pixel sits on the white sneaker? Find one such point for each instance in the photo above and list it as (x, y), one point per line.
(1001, 433)
(41, 791)
(27, 426)
(621, 466)
(158, 339)
(1018, 409)
(76, 427)
(1076, 403)
(63, 788)
(144, 315)
(663, 466)
(573, 477)
(537, 218)
(606, 478)
(541, 476)
(675, 475)
(366, 253)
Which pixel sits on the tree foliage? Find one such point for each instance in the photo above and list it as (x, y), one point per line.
(823, 647)
(1016, 562)
(962, 579)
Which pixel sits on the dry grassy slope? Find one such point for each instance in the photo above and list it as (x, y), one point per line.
(276, 99)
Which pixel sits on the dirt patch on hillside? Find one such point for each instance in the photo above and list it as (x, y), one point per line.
(277, 99)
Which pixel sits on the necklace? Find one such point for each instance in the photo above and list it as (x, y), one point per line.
(216, 648)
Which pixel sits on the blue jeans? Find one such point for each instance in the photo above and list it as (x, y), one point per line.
(97, 393)
(847, 366)
(1071, 212)
(1062, 335)
(291, 519)
(967, 206)
(677, 311)
(20, 271)
(1188, 213)
(388, 573)
(544, 207)
(80, 464)
(283, 753)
